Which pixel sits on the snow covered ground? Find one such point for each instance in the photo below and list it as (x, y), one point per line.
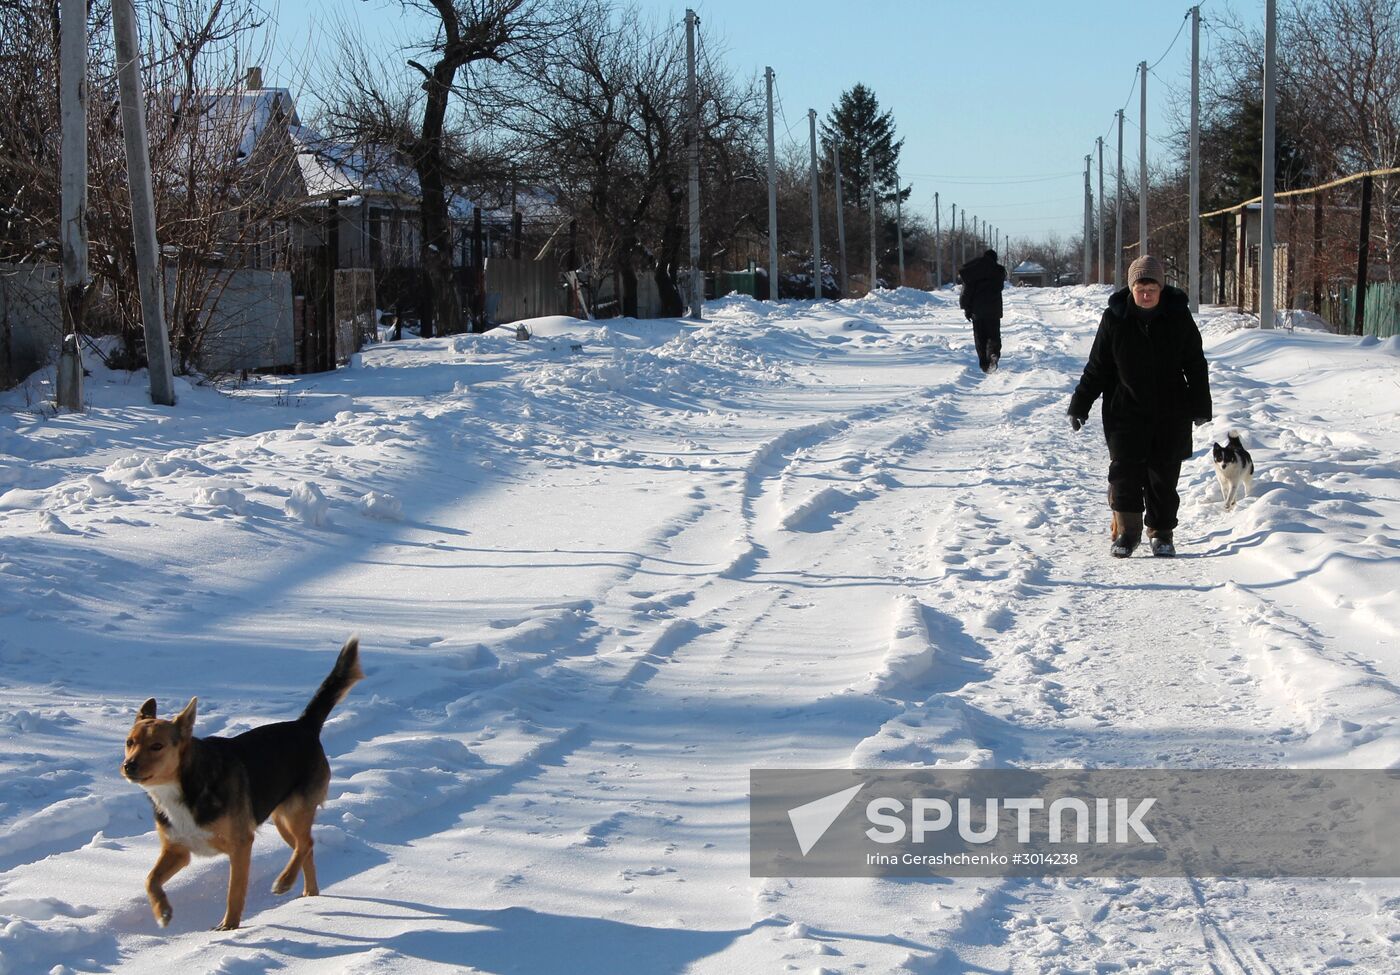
(601, 574)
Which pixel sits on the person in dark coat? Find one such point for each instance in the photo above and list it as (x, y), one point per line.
(982, 279)
(1148, 365)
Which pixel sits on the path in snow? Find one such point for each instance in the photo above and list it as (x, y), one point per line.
(596, 590)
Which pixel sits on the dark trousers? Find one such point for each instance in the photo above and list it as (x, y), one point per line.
(986, 333)
(1146, 485)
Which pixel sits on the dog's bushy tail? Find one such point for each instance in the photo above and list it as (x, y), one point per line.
(336, 685)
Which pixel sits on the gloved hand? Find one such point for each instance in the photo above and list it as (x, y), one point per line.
(1201, 421)
(1076, 423)
(967, 315)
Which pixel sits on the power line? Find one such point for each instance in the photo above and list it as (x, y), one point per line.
(1033, 203)
(1173, 43)
(992, 180)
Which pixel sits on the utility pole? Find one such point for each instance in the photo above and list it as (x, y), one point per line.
(143, 211)
(772, 197)
(874, 224)
(816, 212)
(1142, 158)
(1088, 219)
(962, 241)
(1193, 236)
(697, 277)
(899, 229)
(1266, 171)
(1118, 213)
(73, 43)
(840, 212)
(937, 246)
(1098, 213)
(953, 242)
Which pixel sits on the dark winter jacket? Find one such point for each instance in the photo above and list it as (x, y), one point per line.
(982, 280)
(1151, 372)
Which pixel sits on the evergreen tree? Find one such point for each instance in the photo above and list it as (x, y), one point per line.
(865, 133)
(1230, 152)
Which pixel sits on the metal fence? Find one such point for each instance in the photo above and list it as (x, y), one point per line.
(30, 319)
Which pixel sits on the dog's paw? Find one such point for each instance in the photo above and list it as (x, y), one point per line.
(282, 884)
(226, 925)
(163, 913)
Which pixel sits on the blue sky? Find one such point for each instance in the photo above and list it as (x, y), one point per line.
(997, 102)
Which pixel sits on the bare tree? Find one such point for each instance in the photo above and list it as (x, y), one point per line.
(571, 122)
(603, 118)
(225, 187)
(1348, 57)
(427, 123)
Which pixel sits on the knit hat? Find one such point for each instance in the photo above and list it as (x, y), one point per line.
(1146, 268)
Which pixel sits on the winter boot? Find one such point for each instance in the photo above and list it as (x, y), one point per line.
(1161, 542)
(1129, 525)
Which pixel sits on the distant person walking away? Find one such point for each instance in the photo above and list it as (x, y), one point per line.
(1148, 365)
(983, 279)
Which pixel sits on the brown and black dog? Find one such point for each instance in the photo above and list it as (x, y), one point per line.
(211, 794)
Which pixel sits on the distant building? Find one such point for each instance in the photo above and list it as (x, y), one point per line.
(1029, 274)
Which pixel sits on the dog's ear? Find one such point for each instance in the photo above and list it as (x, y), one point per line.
(184, 721)
(148, 710)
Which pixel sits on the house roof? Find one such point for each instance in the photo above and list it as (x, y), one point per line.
(339, 169)
(246, 114)
(1028, 267)
(345, 171)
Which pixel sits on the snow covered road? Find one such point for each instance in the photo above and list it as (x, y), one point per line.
(596, 587)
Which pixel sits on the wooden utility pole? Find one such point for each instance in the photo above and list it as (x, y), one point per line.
(479, 263)
(330, 325)
(1224, 257)
(143, 210)
(73, 108)
(1363, 256)
(1317, 254)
